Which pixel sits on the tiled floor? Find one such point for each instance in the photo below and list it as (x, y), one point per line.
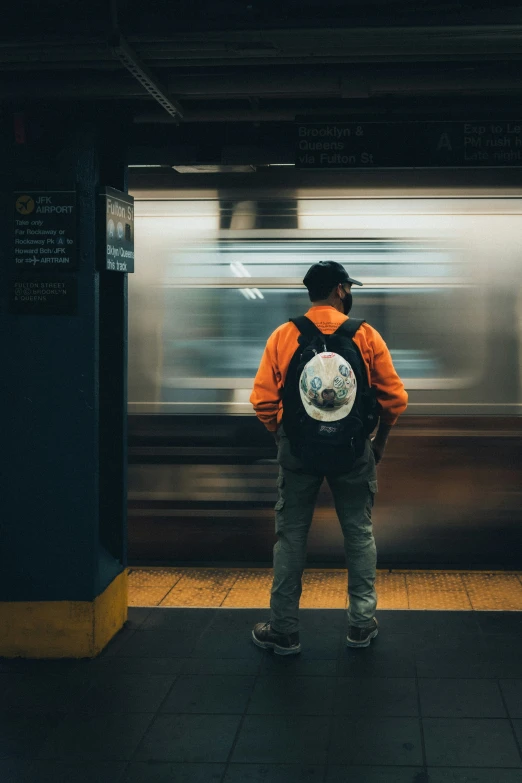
(325, 588)
(184, 695)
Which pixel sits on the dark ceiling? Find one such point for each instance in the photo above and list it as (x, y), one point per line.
(264, 60)
(209, 75)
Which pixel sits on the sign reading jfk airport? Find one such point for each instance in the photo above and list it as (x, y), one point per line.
(44, 230)
(117, 218)
(352, 145)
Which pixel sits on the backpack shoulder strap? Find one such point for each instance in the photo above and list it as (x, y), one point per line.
(307, 327)
(348, 328)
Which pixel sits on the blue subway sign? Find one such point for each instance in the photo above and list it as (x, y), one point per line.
(117, 229)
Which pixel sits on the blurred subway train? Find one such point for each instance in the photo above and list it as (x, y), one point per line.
(217, 272)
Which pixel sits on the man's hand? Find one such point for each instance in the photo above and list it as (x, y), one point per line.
(378, 450)
(379, 441)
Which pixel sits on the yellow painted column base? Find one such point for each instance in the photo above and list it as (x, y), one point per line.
(63, 629)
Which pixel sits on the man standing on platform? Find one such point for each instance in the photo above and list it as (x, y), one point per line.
(324, 382)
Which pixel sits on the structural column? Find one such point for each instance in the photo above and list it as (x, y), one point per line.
(63, 359)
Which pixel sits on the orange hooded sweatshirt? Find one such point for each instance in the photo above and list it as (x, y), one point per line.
(267, 394)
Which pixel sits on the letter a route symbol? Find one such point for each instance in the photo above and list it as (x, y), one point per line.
(444, 142)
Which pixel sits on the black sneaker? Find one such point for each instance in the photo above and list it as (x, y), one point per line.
(361, 637)
(281, 643)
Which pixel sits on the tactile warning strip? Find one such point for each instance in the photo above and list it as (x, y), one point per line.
(194, 596)
(437, 591)
(155, 577)
(336, 579)
(247, 599)
(146, 596)
(207, 579)
(148, 586)
(253, 579)
(326, 588)
(500, 592)
(391, 591)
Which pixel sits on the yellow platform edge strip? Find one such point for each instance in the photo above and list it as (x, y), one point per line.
(63, 629)
(325, 589)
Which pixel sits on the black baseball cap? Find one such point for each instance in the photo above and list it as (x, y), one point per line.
(327, 273)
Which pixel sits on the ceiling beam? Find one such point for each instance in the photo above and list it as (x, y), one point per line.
(141, 73)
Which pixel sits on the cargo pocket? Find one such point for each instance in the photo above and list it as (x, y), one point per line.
(279, 506)
(280, 484)
(373, 487)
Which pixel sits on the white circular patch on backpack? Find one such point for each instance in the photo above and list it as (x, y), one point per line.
(333, 387)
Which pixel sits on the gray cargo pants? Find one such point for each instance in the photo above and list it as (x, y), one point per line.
(353, 495)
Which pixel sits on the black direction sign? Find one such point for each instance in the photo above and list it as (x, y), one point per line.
(351, 145)
(44, 229)
(52, 295)
(117, 230)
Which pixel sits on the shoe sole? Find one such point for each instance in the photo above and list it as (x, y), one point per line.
(275, 647)
(365, 643)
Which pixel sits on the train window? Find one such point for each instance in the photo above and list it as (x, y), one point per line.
(214, 337)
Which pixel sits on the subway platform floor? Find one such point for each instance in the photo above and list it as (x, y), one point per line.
(326, 588)
(182, 695)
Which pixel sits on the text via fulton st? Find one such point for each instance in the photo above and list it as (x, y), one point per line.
(328, 143)
(409, 144)
(45, 229)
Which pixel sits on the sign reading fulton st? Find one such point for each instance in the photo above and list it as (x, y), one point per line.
(408, 144)
(117, 229)
(44, 230)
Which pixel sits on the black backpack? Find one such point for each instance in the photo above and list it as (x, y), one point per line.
(328, 446)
